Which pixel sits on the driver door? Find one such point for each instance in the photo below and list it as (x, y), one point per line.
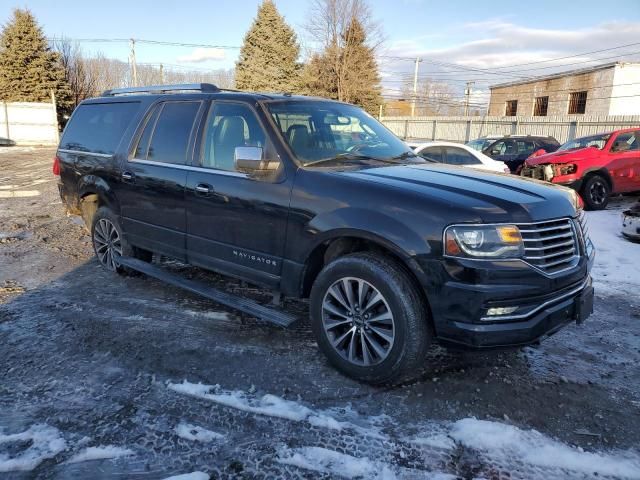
(624, 162)
(236, 223)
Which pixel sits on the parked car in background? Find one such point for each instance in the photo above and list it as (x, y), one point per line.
(457, 154)
(480, 144)
(513, 150)
(631, 222)
(596, 166)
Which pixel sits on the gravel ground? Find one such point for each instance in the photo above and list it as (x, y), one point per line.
(93, 364)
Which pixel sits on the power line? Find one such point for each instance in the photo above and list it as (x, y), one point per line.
(571, 56)
(141, 40)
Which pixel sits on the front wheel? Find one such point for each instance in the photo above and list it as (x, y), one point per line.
(595, 192)
(369, 319)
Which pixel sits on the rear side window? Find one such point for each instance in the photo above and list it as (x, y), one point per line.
(167, 131)
(432, 154)
(459, 156)
(98, 127)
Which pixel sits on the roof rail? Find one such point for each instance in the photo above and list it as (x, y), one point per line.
(180, 87)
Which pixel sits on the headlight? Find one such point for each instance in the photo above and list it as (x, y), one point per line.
(483, 241)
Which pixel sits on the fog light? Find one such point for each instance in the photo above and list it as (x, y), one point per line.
(500, 311)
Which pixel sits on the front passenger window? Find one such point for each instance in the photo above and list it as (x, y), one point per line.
(230, 125)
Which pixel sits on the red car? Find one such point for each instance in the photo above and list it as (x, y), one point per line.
(595, 166)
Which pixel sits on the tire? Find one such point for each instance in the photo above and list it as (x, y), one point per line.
(595, 192)
(395, 346)
(109, 243)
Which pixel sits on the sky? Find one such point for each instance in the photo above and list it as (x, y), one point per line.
(505, 37)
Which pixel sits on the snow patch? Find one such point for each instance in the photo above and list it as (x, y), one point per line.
(616, 268)
(190, 476)
(508, 444)
(100, 453)
(46, 442)
(195, 433)
(322, 460)
(270, 405)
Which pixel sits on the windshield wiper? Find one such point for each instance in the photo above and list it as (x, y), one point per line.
(343, 156)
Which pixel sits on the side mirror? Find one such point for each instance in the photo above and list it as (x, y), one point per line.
(249, 159)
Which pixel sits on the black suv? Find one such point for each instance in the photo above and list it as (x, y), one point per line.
(315, 198)
(513, 149)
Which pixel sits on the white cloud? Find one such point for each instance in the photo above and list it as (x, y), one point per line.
(203, 55)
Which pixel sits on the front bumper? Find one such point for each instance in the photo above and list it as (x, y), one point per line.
(573, 304)
(527, 304)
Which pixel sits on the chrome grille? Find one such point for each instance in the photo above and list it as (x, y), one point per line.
(551, 246)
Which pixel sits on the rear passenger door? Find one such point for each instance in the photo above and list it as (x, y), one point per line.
(152, 183)
(236, 222)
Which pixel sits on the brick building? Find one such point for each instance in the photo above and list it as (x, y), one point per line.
(608, 89)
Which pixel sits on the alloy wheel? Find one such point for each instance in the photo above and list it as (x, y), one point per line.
(358, 321)
(107, 243)
(598, 192)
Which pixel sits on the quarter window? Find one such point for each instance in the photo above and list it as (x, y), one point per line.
(172, 132)
(230, 125)
(98, 127)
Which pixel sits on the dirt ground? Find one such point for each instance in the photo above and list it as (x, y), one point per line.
(93, 364)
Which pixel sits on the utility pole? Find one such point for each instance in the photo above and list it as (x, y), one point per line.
(134, 71)
(415, 87)
(161, 74)
(467, 94)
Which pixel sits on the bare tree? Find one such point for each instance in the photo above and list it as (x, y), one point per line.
(80, 78)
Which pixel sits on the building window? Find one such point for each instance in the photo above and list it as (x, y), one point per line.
(577, 102)
(511, 108)
(541, 107)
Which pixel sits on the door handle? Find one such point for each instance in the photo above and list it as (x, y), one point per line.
(127, 176)
(203, 189)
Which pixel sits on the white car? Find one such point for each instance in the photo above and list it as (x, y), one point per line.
(457, 154)
(631, 223)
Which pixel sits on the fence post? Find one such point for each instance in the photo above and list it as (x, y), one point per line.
(6, 119)
(514, 127)
(435, 128)
(467, 135)
(55, 116)
(573, 128)
(406, 129)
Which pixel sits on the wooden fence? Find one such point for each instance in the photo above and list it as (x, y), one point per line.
(463, 129)
(26, 123)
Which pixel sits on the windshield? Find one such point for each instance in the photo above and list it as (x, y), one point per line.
(480, 144)
(319, 131)
(598, 141)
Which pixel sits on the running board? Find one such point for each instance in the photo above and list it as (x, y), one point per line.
(236, 302)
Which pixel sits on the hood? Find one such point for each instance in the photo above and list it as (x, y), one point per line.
(565, 156)
(474, 194)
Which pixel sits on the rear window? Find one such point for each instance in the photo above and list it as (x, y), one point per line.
(98, 127)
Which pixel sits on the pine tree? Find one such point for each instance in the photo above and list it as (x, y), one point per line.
(346, 69)
(269, 55)
(359, 76)
(29, 69)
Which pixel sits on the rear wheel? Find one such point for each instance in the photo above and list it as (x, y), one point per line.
(109, 244)
(369, 319)
(595, 192)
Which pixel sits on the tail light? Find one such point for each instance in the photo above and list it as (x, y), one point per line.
(56, 165)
